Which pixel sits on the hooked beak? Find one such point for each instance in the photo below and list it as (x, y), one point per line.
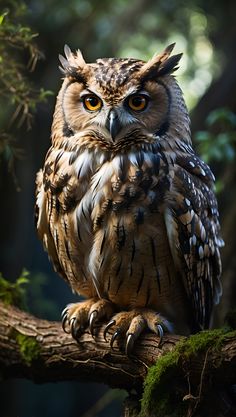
(113, 124)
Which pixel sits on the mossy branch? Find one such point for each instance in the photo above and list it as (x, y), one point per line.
(184, 369)
(59, 357)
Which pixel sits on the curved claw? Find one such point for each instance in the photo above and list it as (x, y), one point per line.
(108, 326)
(114, 337)
(64, 322)
(161, 333)
(64, 312)
(75, 331)
(129, 344)
(71, 322)
(63, 316)
(92, 321)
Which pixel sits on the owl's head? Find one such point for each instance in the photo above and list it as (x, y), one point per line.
(117, 104)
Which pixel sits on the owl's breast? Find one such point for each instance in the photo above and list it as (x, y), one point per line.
(102, 223)
(130, 261)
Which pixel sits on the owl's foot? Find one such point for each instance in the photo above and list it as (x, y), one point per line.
(77, 317)
(129, 325)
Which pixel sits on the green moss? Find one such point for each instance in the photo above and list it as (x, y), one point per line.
(156, 396)
(160, 396)
(201, 341)
(29, 348)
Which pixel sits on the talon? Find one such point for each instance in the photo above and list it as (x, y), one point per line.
(108, 326)
(64, 312)
(114, 337)
(92, 321)
(64, 315)
(63, 324)
(75, 332)
(129, 344)
(161, 333)
(71, 321)
(74, 329)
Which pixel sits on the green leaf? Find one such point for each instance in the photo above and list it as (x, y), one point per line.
(2, 17)
(202, 136)
(221, 115)
(14, 293)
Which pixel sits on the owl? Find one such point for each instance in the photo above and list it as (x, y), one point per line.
(124, 207)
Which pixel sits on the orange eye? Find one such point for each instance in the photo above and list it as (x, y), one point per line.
(92, 102)
(137, 102)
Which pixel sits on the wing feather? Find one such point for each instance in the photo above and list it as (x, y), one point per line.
(194, 235)
(42, 207)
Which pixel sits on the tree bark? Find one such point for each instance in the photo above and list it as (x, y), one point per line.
(59, 357)
(55, 356)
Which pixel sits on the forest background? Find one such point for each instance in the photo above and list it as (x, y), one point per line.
(32, 34)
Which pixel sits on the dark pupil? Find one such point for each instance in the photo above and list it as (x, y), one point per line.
(93, 101)
(137, 101)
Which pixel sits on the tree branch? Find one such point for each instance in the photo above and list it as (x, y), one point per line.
(40, 350)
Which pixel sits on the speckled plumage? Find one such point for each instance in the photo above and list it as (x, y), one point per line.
(130, 219)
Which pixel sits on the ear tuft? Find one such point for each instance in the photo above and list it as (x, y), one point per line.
(169, 66)
(74, 59)
(67, 52)
(72, 64)
(65, 64)
(80, 58)
(159, 65)
(169, 49)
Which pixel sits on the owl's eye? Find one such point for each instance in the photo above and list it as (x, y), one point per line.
(91, 102)
(137, 102)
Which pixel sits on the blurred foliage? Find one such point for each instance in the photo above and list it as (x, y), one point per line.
(134, 29)
(40, 303)
(14, 293)
(18, 97)
(204, 31)
(230, 319)
(33, 296)
(107, 28)
(218, 142)
(108, 398)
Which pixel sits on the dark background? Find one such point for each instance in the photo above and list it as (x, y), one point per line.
(206, 33)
